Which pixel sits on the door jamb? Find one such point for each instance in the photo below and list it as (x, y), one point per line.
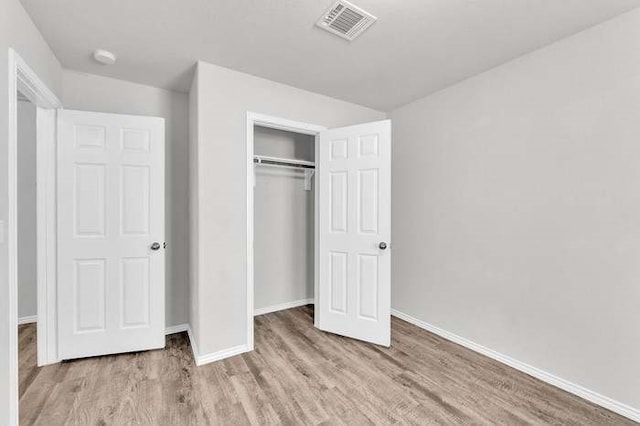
(255, 119)
(23, 78)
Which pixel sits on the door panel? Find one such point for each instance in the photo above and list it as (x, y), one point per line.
(134, 211)
(90, 296)
(338, 279)
(88, 206)
(110, 210)
(354, 173)
(135, 292)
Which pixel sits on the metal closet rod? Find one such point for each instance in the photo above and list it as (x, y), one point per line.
(283, 162)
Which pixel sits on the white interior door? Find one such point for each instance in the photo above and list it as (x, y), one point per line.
(354, 231)
(110, 214)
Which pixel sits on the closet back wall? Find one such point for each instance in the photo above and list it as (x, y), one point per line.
(283, 222)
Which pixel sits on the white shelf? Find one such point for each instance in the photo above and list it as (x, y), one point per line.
(284, 162)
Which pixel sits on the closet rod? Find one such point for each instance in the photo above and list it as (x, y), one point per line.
(283, 162)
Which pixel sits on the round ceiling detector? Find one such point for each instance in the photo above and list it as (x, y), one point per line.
(104, 57)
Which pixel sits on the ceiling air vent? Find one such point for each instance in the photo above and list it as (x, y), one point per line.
(346, 20)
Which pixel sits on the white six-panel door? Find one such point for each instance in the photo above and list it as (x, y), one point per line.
(354, 230)
(110, 212)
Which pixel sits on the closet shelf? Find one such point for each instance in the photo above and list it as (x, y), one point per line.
(283, 162)
(309, 167)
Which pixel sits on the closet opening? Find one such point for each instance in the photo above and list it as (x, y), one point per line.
(281, 218)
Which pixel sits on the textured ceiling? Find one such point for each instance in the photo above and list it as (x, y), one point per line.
(417, 46)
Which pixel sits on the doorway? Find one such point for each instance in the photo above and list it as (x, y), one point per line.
(284, 222)
(27, 212)
(26, 87)
(350, 176)
(284, 152)
(27, 240)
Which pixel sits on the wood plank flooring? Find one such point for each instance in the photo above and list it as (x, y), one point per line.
(296, 375)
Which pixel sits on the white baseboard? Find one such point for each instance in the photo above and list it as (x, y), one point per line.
(282, 306)
(220, 355)
(172, 329)
(202, 359)
(215, 356)
(192, 343)
(28, 320)
(596, 398)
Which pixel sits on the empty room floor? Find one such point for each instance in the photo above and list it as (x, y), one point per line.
(296, 375)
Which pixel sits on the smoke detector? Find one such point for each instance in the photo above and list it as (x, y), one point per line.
(104, 57)
(346, 20)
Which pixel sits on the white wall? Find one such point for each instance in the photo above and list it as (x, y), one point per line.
(516, 209)
(283, 221)
(16, 31)
(95, 93)
(27, 243)
(223, 99)
(194, 210)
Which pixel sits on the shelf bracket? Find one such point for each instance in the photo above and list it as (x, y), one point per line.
(308, 174)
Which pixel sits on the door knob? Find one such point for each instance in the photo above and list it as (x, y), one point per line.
(155, 246)
(382, 246)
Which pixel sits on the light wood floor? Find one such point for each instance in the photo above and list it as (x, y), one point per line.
(296, 375)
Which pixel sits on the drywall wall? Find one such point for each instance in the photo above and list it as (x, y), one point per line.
(283, 221)
(223, 99)
(516, 209)
(18, 32)
(27, 243)
(95, 93)
(194, 212)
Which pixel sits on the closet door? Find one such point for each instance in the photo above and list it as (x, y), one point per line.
(354, 230)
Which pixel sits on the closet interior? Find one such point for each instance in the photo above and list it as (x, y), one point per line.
(283, 243)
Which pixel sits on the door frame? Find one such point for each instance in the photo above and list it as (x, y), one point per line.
(23, 78)
(262, 120)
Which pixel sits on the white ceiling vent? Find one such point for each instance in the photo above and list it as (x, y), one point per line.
(346, 20)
